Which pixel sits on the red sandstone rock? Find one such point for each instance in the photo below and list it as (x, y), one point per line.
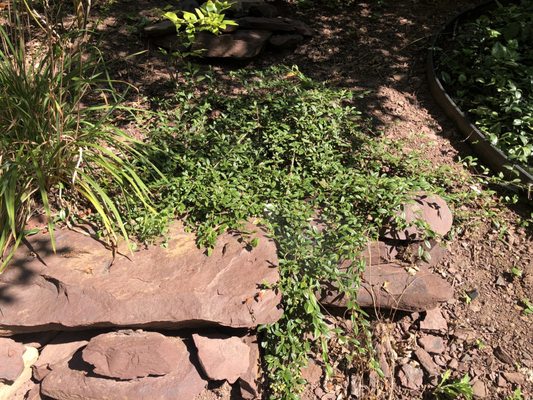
(249, 381)
(11, 361)
(434, 321)
(431, 209)
(61, 348)
(411, 377)
(394, 287)
(242, 44)
(134, 354)
(222, 357)
(175, 287)
(432, 344)
(71, 380)
(378, 252)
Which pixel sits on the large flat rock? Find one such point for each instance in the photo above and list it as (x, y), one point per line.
(72, 379)
(243, 44)
(172, 287)
(133, 354)
(393, 286)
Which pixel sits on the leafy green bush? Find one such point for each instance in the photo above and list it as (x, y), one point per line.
(55, 152)
(208, 18)
(488, 70)
(280, 147)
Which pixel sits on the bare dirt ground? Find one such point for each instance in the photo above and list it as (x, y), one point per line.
(381, 46)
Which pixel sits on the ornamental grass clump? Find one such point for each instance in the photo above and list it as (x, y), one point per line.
(56, 153)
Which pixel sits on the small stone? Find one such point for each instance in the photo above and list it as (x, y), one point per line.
(319, 392)
(133, 354)
(479, 389)
(434, 321)
(426, 362)
(503, 356)
(440, 360)
(312, 372)
(501, 281)
(411, 377)
(465, 335)
(222, 357)
(514, 377)
(11, 361)
(500, 381)
(432, 344)
(453, 364)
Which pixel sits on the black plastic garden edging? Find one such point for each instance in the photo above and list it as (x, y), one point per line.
(489, 154)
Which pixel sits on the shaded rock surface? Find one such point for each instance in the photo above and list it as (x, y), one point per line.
(286, 41)
(393, 286)
(71, 380)
(60, 349)
(222, 357)
(241, 44)
(378, 252)
(134, 354)
(267, 24)
(249, 381)
(11, 362)
(431, 209)
(175, 287)
(162, 28)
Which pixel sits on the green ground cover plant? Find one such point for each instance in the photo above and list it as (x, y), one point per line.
(487, 69)
(57, 154)
(449, 390)
(282, 148)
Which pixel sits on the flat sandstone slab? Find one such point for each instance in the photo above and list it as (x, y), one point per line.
(174, 287)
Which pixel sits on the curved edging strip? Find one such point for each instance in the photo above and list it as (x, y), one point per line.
(489, 154)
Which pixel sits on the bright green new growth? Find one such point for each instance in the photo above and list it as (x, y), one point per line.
(452, 390)
(517, 395)
(56, 152)
(208, 18)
